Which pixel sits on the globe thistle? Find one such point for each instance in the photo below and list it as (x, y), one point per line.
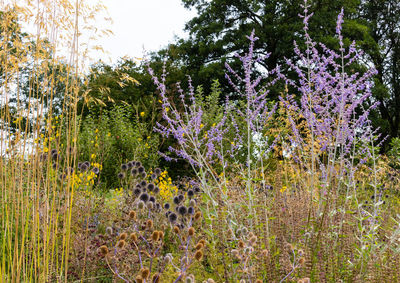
(69, 170)
(96, 170)
(158, 206)
(166, 205)
(140, 204)
(192, 202)
(55, 156)
(83, 167)
(157, 171)
(124, 167)
(143, 175)
(55, 165)
(150, 187)
(156, 190)
(150, 205)
(190, 193)
(130, 164)
(153, 176)
(176, 200)
(191, 210)
(134, 172)
(197, 190)
(168, 258)
(137, 191)
(138, 279)
(182, 210)
(141, 169)
(181, 197)
(143, 184)
(172, 217)
(87, 163)
(152, 199)
(138, 164)
(144, 197)
(121, 175)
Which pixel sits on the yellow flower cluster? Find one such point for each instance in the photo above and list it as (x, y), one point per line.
(83, 179)
(167, 189)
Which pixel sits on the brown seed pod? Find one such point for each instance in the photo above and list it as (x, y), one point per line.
(161, 234)
(156, 278)
(302, 261)
(176, 229)
(198, 255)
(103, 250)
(123, 236)
(191, 231)
(264, 253)
(155, 236)
(197, 216)
(139, 279)
(241, 244)
(203, 242)
(133, 237)
(199, 246)
(149, 224)
(145, 272)
(132, 214)
(121, 244)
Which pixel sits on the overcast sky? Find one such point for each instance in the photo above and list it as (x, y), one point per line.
(143, 24)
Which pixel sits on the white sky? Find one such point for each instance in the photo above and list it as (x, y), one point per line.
(142, 25)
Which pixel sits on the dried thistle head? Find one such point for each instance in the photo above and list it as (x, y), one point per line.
(132, 214)
(176, 229)
(156, 278)
(145, 272)
(155, 236)
(133, 237)
(241, 244)
(123, 236)
(149, 224)
(103, 250)
(109, 230)
(197, 216)
(198, 255)
(199, 246)
(121, 244)
(191, 231)
(139, 279)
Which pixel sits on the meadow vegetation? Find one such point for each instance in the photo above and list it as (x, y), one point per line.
(288, 190)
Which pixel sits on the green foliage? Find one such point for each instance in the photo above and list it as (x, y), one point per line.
(116, 136)
(394, 153)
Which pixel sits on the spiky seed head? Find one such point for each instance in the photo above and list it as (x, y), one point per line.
(156, 278)
(161, 234)
(302, 260)
(137, 191)
(150, 205)
(152, 199)
(121, 244)
(198, 255)
(176, 229)
(150, 187)
(143, 175)
(143, 184)
(145, 272)
(153, 176)
(241, 244)
(124, 167)
(264, 253)
(132, 214)
(141, 204)
(197, 216)
(156, 190)
(155, 236)
(191, 210)
(191, 231)
(141, 169)
(253, 240)
(134, 172)
(149, 224)
(144, 197)
(190, 193)
(259, 281)
(172, 217)
(182, 210)
(121, 175)
(103, 250)
(133, 237)
(199, 246)
(176, 200)
(168, 258)
(192, 203)
(123, 236)
(209, 280)
(181, 197)
(203, 242)
(139, 279)
(166, 205)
